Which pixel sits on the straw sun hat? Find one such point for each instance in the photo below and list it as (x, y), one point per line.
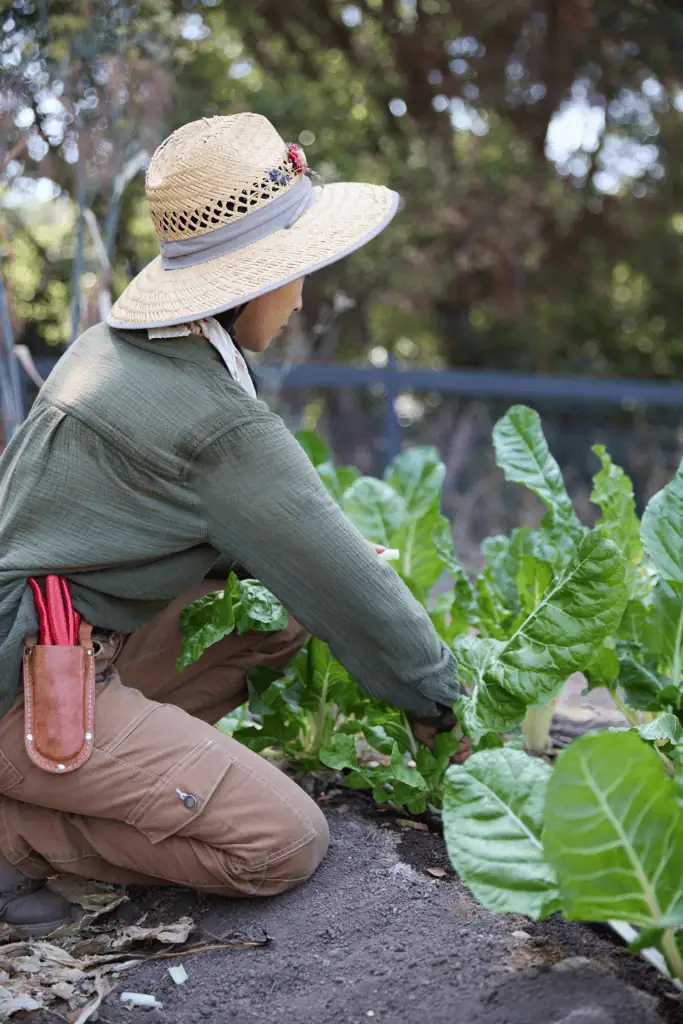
(237, 214)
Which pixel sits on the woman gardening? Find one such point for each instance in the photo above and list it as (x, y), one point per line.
(145, 470)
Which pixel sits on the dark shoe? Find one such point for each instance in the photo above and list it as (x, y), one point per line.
(28, 906)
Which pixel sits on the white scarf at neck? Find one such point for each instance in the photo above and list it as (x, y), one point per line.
(217, 336)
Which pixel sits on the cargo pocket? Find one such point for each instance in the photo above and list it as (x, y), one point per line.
(9, 776)
(181, 795)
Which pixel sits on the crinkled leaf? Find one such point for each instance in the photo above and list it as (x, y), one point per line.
(337, 479)
(340, 752)
(313, 445)
(417, 804)
(533, 579)
(603, 668)
(497, 595)
(661, 529)
(614, 832)
(488, 708)
(613, 492)
(522, 453)
(663, 634)
(239, 718)
(257, 609)
(377, 737)
(398, 772)
(206, 621)
(664, 727)
(418, 475)
(582, 606)
(644, 688)
(358, 779)
(394, 724)
(493, 818)
(375, 509)
(634, 620)
(449, 616)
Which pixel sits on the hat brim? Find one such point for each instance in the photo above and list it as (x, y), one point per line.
(343, 218)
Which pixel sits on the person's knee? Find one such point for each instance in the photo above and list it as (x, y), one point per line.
(304, 859)
(297, 848)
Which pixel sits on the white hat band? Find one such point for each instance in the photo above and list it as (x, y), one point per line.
(281, 212)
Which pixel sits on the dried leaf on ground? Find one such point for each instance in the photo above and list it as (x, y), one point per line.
(13, 1000)
(436, 872)
(102, 988)
(36, 973)
(95, 897)
(170, 934)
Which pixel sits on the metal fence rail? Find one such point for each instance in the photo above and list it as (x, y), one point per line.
(394, 378)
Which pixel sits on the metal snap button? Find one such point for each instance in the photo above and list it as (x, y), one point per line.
(189, 801)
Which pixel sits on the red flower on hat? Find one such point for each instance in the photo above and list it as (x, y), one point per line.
(298, 157)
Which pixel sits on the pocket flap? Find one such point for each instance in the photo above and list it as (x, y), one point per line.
(182, 793)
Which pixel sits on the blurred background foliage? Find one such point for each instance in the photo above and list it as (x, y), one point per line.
(537, 145)
(538, 148)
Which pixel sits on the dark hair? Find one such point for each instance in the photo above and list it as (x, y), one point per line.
(227, 320)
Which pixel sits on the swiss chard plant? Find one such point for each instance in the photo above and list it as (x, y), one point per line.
(551, 601)
(600, 836)
(313, 713)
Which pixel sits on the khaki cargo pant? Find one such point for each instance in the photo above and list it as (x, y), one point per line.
(165, 797)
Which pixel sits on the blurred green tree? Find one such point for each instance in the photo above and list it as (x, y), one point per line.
(537, 145)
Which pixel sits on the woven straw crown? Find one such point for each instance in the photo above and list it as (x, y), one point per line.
(203, 182)
(214, 171)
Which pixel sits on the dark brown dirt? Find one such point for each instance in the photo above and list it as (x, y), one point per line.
(373, 937)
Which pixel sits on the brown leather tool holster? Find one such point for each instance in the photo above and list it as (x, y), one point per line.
(59, 685)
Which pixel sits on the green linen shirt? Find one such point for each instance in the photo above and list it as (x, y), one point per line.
(142, 463)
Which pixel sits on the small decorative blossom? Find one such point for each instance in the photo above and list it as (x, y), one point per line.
(279, 177)
(298, 157)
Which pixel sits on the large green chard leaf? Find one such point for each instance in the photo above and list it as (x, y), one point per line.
(614, 833)
(662, 529)
(560, 636)
(313, 445)
(493, 818)
(418, 475)
(488, 708)
(375, 509)
(613, 492)
(523, 455)
(337, 479)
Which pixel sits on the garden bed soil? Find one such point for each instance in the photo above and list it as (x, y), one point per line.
(384, 932)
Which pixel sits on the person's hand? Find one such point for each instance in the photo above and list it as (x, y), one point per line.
(427, 734)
